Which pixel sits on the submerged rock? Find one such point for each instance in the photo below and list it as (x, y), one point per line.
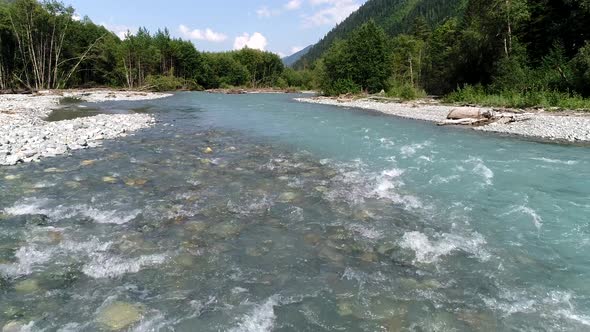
(225, 230)
(208, 150)
(345, 308)
(27, 286)
(87, 162)
(109, 179)
(312, 239)
(13, 326)
(288, 197)
(135, 182)
(120, 315)
(11, 177)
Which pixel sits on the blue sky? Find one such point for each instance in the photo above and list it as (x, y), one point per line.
(280, 26)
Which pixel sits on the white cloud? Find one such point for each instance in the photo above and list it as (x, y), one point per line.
(120, 30)
(255, 41)
(331, 12)
(207, 34)
(76, 17)
(296, 49)
(265, 12)
(293, 4)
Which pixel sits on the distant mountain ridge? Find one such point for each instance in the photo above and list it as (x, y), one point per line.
(291, 59)
(394, 16)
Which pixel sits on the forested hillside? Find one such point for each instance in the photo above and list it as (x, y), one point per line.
(394, 16)
(497, 52)
(42, 46)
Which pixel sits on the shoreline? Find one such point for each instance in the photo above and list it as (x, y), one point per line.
(25, 135)
(569, 127)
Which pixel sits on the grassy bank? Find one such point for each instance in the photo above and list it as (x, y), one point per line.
(510, 99)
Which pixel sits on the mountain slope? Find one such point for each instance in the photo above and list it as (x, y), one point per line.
(291, 59)
(394, 16)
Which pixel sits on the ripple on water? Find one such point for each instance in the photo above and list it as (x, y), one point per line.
(37, 206)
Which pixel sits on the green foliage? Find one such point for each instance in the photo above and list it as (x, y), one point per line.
(360, 63)
(394, 16)
(163, 83)
(42, 46)
(545, 99)
(405, 91)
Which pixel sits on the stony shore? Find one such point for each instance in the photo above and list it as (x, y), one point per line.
(25, 136)
(569, 126)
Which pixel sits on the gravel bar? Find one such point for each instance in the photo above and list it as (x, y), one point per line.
(26, 137)
(553, 127)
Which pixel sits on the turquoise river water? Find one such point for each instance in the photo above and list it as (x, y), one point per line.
(302, 218)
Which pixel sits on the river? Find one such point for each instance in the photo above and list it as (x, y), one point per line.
(258, 213)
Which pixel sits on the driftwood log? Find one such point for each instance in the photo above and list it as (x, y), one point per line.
(476, 117)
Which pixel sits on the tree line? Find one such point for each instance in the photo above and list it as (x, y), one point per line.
(518, 52)
(43, 46)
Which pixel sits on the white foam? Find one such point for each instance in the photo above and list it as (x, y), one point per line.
(410, 150)
(110, 217)
(480, 169)
(367, 232)
(556, 161)
(569, 314)
(27, 258)
(523, 209)
(260, 319)
(59, 212)
(107, 266)
(428, 251)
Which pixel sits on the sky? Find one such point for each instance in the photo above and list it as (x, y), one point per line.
(280, 26)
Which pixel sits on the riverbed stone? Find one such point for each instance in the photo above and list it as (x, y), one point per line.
(13, 326)
(27, 286)
(109, 179)
(288, 197)
(120, 315)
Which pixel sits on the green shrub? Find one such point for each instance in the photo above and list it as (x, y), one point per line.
(405, 92)
(514, 99)
(164, 83)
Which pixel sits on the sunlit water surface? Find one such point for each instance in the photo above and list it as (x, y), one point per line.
(303, 218)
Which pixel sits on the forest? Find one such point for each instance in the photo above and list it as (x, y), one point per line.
(42, 46)
(492, 52)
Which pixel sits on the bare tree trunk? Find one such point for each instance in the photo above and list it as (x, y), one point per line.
(22, 52)
(411, 71)
(82, 59)
(58, 52)
(508, 40)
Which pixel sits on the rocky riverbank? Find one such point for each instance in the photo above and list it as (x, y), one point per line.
(567, 126)
(25, 136)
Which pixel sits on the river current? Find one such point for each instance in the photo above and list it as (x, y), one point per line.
(258, 213)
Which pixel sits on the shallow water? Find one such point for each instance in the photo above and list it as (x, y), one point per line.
(303, 218)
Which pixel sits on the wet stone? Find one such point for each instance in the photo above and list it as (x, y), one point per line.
(312, 239)
(13, 326)
(109, 179)
(27, 286)
(288, 197)
(120, 315)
